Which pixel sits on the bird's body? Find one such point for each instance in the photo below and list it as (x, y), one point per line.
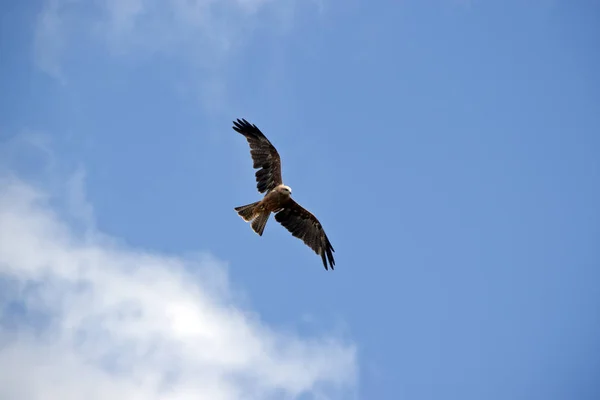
(258, 213)
(277, 198)
(296, 219)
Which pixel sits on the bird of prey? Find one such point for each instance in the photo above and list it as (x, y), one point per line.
(296, 219)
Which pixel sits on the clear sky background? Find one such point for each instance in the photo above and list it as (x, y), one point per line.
(451, 149)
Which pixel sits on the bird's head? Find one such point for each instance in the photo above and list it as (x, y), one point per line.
(286, 189)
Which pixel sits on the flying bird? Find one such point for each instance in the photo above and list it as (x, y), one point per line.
(296, 219)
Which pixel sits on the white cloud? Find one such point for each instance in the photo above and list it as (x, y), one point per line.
(201, 31)
(105, 321)
(49, 40)
(200, 36)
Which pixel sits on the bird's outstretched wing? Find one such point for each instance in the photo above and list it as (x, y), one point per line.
(264, 156)
(304, 225)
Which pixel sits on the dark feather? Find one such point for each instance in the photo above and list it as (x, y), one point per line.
(302, 224)
(264, 156)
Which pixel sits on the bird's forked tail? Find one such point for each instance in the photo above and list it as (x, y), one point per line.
(250, 213)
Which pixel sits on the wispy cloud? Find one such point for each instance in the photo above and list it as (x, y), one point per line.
(203, 32)
(50, 40)
(202, 36)
(88, 317)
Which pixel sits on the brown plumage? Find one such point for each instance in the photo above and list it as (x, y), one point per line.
(297, 220)
(264, 156)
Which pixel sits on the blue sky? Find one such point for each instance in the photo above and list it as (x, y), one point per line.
(450, 149)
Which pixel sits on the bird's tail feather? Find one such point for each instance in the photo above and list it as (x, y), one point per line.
(259, 223)
(247, 212)
(251, 213)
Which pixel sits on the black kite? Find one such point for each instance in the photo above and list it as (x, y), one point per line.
(296, 219)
